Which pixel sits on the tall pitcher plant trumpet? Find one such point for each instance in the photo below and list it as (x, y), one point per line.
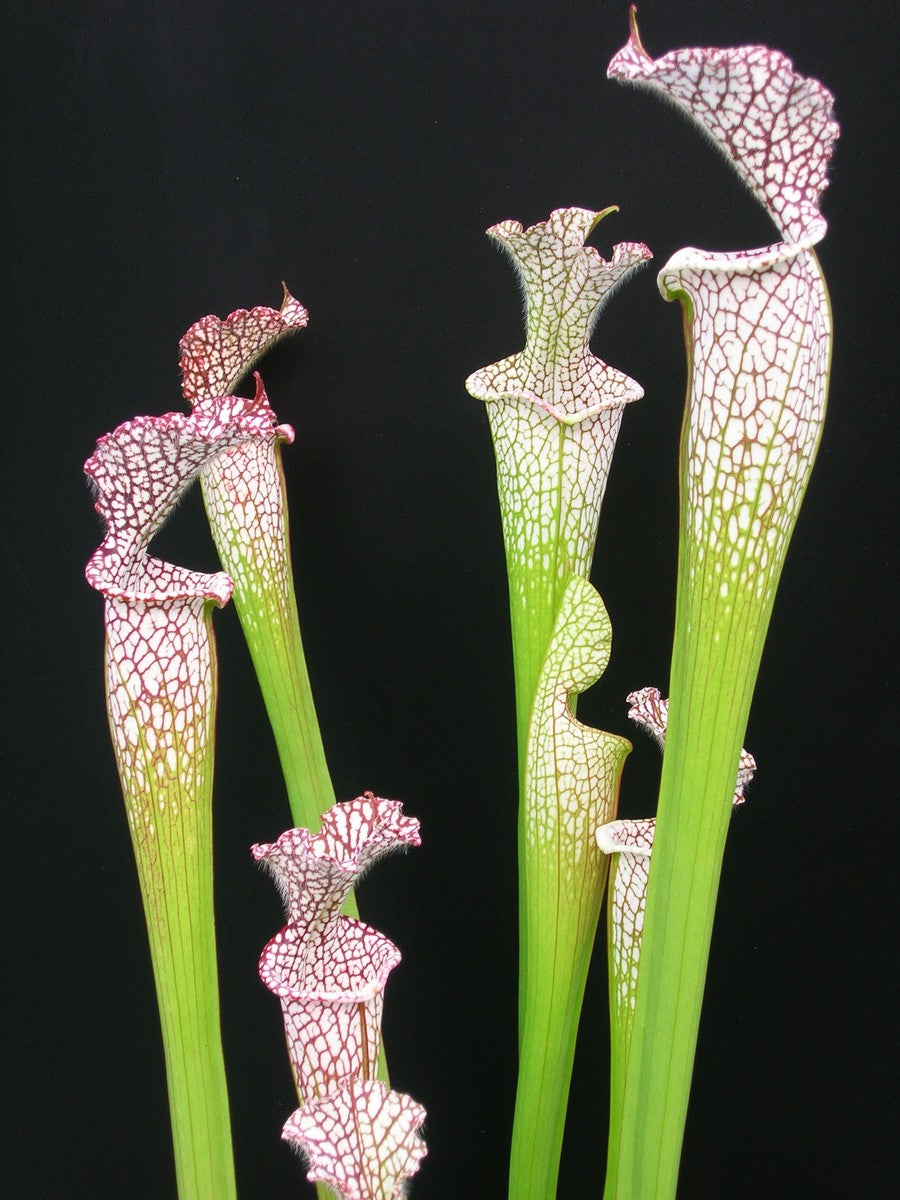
(758, 333)
(161, 697)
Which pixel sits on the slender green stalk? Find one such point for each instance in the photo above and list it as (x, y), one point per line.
(175, 874)
(687, 855)
(171, 830)
(630, 843)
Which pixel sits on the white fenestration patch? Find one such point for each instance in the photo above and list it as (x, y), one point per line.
(555, 408)
(760, 319)
(571, 770)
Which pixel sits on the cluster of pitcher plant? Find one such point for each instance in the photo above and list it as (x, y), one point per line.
(758, 332)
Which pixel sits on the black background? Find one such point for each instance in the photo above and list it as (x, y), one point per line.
(168, 160)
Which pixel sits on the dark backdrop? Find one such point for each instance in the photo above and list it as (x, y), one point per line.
(168, 160)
